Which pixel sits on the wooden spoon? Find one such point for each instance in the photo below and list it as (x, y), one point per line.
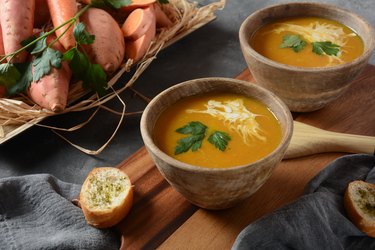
(309, 140)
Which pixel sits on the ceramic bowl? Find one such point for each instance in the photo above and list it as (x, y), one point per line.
(305, 89)
(215, 188)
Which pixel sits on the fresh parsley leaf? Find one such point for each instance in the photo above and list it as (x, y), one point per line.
(192, 128)
(294, 42)
(81, 35)
(42, 64)
(96, 79)
(26, 78)
(9, 75)
(327, 48)
(194, 141)
(39, 46)
(219, 140)
(15, 77)
(116, 4)
(92, 75)
(163, 1)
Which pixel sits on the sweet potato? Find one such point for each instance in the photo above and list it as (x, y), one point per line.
(138, 4)
(137, 23)
(62, 11)
(51, 91)
(137, 49)
(162, 20)
(2, 52)
(17, 19)
(108, 48)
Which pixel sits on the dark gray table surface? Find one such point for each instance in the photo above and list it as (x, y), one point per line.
(210, 51)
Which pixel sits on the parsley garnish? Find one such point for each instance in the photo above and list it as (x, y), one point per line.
(163, 1)
(194, 141)
(327, 48)
(294, 42)
(197, 132)
(219, 140)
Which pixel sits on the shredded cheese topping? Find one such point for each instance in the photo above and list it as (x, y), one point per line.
(236, 116)
(319, 32)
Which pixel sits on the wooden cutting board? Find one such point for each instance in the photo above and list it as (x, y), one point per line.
(162, 218)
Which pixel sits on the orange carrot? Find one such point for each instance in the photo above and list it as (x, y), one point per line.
(61, 11)
(162, 20)
(137, 49)
(42, 15)
(17, 19)
(51, 91)
(137, 23)
(108, 48)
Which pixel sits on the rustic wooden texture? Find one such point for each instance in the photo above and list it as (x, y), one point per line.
(162, 218)
(309, 140)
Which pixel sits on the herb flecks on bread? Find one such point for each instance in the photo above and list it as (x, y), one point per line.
(105, 190)
(359, 201)
(366, 200)
(106, 197)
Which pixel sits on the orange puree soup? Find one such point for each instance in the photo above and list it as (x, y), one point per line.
(307, 42)
(249, 128)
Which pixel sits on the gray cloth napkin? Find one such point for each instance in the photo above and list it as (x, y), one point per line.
(36, 213)
(317, 220)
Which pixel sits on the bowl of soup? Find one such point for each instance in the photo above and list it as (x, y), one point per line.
(216, 140)
(308, 54)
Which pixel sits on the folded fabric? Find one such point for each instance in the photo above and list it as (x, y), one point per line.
(317, 220)
(36, 212)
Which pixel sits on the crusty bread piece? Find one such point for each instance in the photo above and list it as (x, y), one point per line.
(106, 197)
(359, 201)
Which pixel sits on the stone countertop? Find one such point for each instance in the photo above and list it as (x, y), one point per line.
(213, 50)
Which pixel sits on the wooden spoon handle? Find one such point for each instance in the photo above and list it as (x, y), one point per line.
(308, 140)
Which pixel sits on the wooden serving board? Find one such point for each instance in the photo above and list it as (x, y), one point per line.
(162, 218)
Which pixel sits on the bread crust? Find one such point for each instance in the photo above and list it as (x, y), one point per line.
(104, 218)
(365, 224)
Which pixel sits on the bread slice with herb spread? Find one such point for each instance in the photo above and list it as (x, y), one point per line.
(106, 197)
(359, 201)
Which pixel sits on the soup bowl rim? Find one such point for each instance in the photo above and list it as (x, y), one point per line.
(246, 45)
(150, 144)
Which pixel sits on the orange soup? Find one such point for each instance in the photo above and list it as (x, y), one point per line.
(307, 42)
(217, 130)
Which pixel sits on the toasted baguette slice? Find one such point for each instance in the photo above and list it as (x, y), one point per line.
(359, 201)
(106, 197)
